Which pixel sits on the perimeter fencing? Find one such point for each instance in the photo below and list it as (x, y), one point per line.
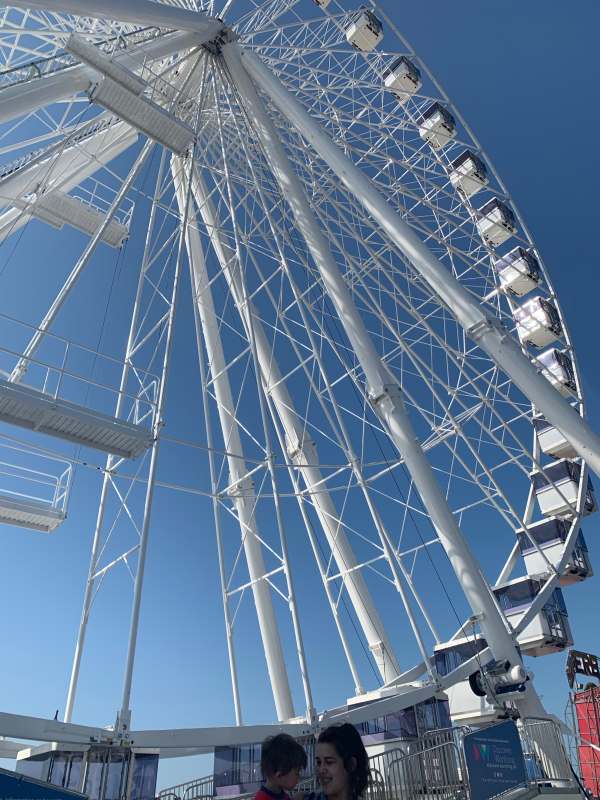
(432, 767)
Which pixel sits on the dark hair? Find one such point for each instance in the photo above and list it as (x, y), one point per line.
(281, 753)
(350, 748)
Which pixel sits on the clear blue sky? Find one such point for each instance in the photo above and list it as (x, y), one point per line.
(525, 77)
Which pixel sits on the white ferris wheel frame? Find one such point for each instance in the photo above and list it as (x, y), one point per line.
(249, 74)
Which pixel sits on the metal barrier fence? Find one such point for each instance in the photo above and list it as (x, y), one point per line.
(200, 788)
(544, 752)
(433, 767)
(418, 772)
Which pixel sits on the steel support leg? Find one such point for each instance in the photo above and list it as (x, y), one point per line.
(300, 449)
(384, 394)
(124, 718)
(88, 597)
(243, 496)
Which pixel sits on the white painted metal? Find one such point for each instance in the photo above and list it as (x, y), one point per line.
(97, 542)
(242, 496)
(557, 489)
(495, 223)
(546, 632)
(551, 535)
(385, 396)
(436, 127)
(59, 209)
(557, 369)
(518, 271)
(302, 452)
(92, 56)
(467, 175)
(365, 31)
(403, 79)
(65, 166)
(124, 717)
(36, 339)
(34, 410)
(483, 329)
(551, 441)
(236, 196)
(143, 114)
(28, 513)
(537, 322)
(16, 101)
(140, 12)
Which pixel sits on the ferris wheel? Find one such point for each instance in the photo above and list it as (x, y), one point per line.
(386, 378)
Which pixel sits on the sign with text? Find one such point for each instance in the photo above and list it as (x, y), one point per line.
(494, 760)
(579, 663)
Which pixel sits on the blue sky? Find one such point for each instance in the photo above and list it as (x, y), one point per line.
(525, 77)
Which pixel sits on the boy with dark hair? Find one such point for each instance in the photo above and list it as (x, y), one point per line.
(281, 761)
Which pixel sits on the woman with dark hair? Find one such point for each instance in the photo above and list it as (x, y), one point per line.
(342, 764)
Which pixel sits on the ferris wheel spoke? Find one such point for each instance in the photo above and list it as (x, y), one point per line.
(430, 380)
(40, 188)
(296, 443)
(29, 94)
(482, 329)
(139, 12)
(244, 499)
(392, 412)
(423, 321)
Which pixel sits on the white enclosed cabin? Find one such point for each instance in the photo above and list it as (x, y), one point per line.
(551, 440)
(518, 271)
(550, 536)
(466, 708)
(99, 771)
(496, 222)
(556, 489)
(557, 368)
(468, 173)
(549, 631)
(365, 31)
(437, 126)
(403, 79)
(538, 322)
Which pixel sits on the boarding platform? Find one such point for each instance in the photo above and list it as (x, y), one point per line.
(29, 408)
(59, 209)
(121, 91)
(34, 487)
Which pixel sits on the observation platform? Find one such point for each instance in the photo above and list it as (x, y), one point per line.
(29, 408)
(122, 92)
(59, 209)
(30, 513)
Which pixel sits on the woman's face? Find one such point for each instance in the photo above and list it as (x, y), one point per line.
(331, 773)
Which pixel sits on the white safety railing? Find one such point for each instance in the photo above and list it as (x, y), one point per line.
(97, 195)
(544, 752)
(30, 475)
(190, 790)
(63, 370)
(40, 67)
